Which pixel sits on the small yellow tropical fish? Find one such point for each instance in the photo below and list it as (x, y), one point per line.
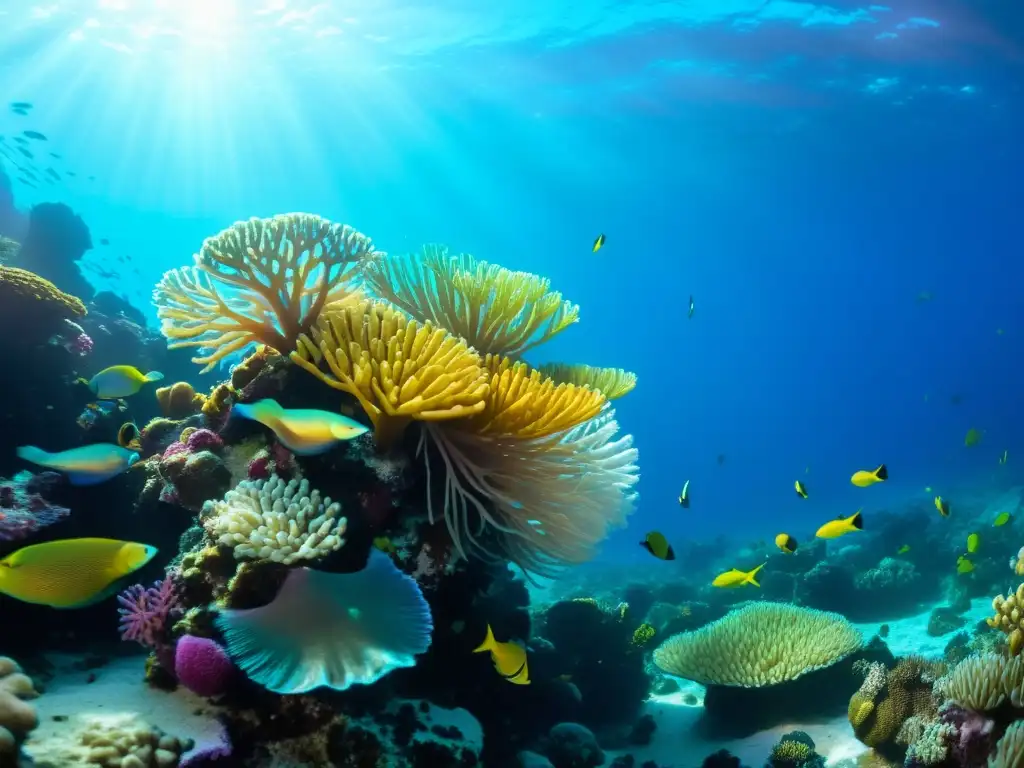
(973, 437)
(656, 543)
(121, 381)
(973, 541)
(862, 478)
(942, 506)
(509, 658)
(70, 573)
(1004, 457)
(598, 243)
(963, 565)
(801, 489)
(1002, 519)
(684, 496)
(841, 526)
(88, 465)
(737, 578)
(384, 544)
(128, 436)
(303, 431)
(903, 550)
(786, 543)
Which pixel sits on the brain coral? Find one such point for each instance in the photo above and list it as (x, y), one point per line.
(759, 645)
(889, 698)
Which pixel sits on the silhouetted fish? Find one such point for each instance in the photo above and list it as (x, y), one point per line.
(34, 135)
(20, 139)
(53, 173)
(72, 174)
(55, 156)
(104, 241)
(25, 105)
(26, 153)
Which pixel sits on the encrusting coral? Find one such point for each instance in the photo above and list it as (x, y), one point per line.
(888, 698)
(260, 281)
(283, 522)
(759, 645)
(1009, 612)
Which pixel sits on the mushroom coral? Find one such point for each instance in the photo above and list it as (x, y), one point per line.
(260, 281)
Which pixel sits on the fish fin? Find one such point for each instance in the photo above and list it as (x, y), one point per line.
(153, 376)
(857, 521)
(752, 576)
(85, 478)
(882, 473)
(670, 554)
(34, 455)
(488, 644)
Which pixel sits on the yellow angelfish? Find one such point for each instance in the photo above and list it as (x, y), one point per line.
(121, 381)
(973, 542)
(963, 565)
(303, 431)
(862, 478)
(841, 526)
(737, 578)
(509, 658)
(87, 465)
(70, 573)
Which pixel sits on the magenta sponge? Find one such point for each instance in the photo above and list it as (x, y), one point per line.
(202, 666)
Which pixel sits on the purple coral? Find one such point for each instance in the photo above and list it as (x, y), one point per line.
(202, 666)
(23, 509)
(146, 612)
(204, 440)
(974, 738)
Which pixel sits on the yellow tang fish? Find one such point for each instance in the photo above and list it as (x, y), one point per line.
(942, 506)
(684, 496)
(973, 437)
(121, 381)
(737, 578)
(963, 565)
(303, 431)
(973, 541)
(598, 243)
(786, 543)
(1002, 519)
(509, 658)
(656, 543)
(862, 478)
(87, 465)
(841, 526)
(801, 489)
(70, 573)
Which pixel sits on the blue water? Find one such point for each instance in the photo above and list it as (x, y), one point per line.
(804, 171)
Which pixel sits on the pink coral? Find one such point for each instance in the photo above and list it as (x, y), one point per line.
(147, 612)
(175, 449)
(974, 738)
(204, 440)
(202, 666)
(259, 468)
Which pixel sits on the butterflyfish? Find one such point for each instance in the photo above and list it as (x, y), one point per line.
(598, 243)
(963, 565)
(1004, 457)
(973, 437)
(656, 543)
(1002, 519)
(786, 543)
(973, 542)
(684, 496)
(801, 489)
(942, 506)
(71, 573)
(87, 465)
(303, 431)
(737, 578)
(121, 381)
(903, 550)
(841, 526)
(862, 478)
(509, 658)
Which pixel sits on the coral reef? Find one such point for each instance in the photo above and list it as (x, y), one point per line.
(112, 741)
(889, 698)
(24, 509)
(1009, 611)
(17, 718)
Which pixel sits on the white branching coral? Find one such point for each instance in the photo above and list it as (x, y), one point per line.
(274, 520)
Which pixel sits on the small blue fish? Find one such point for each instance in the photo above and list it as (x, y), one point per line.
(88, 465)
(306, 432)
(121, 381)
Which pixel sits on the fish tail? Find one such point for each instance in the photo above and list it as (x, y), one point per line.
(488, 644)
(857, 521)
(751, 577)
(882, 473)
(153, 376)
(34, 455)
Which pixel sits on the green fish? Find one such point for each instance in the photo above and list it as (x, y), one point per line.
(1002, 519)
(656, 543)
(121, 381)
(973, 437)
(303, 431)
(88, 465)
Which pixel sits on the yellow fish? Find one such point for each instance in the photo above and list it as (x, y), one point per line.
(509, 658)
(684, 496)
(1004, 457)
(1002, 519)
(128, 436)
(841, 526)
(786, 543)
(801, 489)
(70, 573)
(973, 437)
(384, 544)
(598, 243)
(862, 478)
(303, 431)
(903, 550)
(88, 465)
(963, 565)
(656, 543)
(973, 541)
(942, 506)
(737, 578)
(121, 381)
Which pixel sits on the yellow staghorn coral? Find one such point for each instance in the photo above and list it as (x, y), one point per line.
(497, 311)
(398, 369)
(1009, 612)
(759, 645)
(260, 281)
(613, 383)
(985, 682)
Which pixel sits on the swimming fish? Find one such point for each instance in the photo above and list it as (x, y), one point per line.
(973, 437)
(903, 550)
(1004, 457)
(684, 496)
(689, 312)
(104, 241)
(973, 540)
(87, 465)
(70, 573)
(598, 243)
(509, 658)
(385, 545)
(801, 489)
(942, 506)
(658, 545)
(128, 436)
(1002, 519)
(841, 526)
(121, 381)
(34, 135)
(963, 565)
(862, 478)
(737, 578)
(303, 431)
(786, 543)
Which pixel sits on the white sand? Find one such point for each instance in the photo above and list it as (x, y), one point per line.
(910, 636)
